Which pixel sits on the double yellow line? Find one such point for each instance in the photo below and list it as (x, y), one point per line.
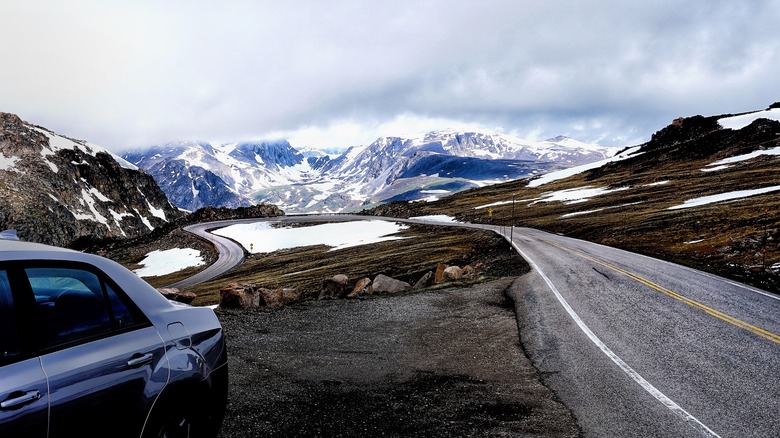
(693, 303)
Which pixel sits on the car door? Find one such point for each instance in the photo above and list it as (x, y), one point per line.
(105, 362)
(23, 389)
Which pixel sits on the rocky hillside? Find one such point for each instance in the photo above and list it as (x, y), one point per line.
(54, 189)
(704, 192)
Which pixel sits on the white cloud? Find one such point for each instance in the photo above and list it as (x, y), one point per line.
(124, 73)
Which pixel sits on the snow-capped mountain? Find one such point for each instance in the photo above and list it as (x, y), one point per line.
(436, 164)
(194, 175)
(54, 189)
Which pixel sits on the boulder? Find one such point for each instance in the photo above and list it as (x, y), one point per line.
(238, 296)
(341, 279)
(362, 287)
(276, 298)
(440, 273)
(331, 288)
(383, 283)
(176, 294)
(425, 281)
(452, 273)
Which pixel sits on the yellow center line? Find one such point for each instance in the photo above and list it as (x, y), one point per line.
(693, 303)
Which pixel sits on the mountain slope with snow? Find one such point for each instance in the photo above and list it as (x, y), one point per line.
(55, 189)
(443, 162)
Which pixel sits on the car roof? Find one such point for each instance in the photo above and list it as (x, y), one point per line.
(20, 246)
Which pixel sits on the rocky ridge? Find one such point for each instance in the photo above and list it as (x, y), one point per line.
(55, 190)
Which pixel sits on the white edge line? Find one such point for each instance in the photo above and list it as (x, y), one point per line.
(647, 386)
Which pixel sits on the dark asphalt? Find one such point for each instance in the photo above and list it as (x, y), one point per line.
(707, 345)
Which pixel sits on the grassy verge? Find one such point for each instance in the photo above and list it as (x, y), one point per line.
(408, 259)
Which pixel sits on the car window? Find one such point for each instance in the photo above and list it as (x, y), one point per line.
(71, 303)
(9, 342)
(124, 316)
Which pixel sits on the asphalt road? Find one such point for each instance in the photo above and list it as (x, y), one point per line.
(635, 346)
(231, 254)
(640, 347)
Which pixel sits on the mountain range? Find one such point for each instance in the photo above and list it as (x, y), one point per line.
(440, 163)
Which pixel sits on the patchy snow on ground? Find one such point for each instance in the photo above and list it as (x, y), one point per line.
(714, 169)
(739, 122)
(495, 204)
(435, 218)
(565, 173)
(169, 261)
(658, 183)
(579, 213)
(260, 237)
(573, 196)
(7, 163)
(728, 196)
(725, 163)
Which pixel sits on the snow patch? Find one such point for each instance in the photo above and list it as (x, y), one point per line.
(576, 195)
(261, 237)
(169, 261)
(156, 212)
(744, 157)
(7, 163)
(714, 169)
(728, 196)
(739, 122)
(435, 218)
(565, 173)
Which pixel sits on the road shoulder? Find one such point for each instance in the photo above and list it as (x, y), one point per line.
(440, 363)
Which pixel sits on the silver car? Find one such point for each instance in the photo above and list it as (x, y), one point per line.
(87, 348)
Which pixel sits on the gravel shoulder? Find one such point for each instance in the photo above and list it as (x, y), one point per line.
(438, 363)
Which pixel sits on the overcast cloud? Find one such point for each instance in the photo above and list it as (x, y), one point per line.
(126, 74)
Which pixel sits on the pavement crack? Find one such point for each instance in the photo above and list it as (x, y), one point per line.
(605, 275)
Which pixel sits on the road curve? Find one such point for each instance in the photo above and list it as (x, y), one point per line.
(635, 346)
(231, 254)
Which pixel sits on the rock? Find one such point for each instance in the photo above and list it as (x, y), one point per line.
(341, 279)
(276, 298)
(362, 287)
(238, 296)
(440, 272)
(452, 273)
(331, 288)
(176, 294)
(383, 283)
(425, 281)
(469, 271)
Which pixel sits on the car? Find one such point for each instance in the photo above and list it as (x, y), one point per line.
(87, 348)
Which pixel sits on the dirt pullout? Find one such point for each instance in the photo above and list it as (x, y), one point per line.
(437, 363)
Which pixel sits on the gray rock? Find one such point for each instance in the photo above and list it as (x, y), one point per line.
(383, 283)
(425, 281)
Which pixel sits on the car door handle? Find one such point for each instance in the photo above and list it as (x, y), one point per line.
(21, 399)
(139, 360)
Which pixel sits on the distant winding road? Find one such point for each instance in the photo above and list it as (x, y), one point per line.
(635, 346)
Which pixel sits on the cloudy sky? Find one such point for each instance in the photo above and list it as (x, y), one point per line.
(127, 74)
